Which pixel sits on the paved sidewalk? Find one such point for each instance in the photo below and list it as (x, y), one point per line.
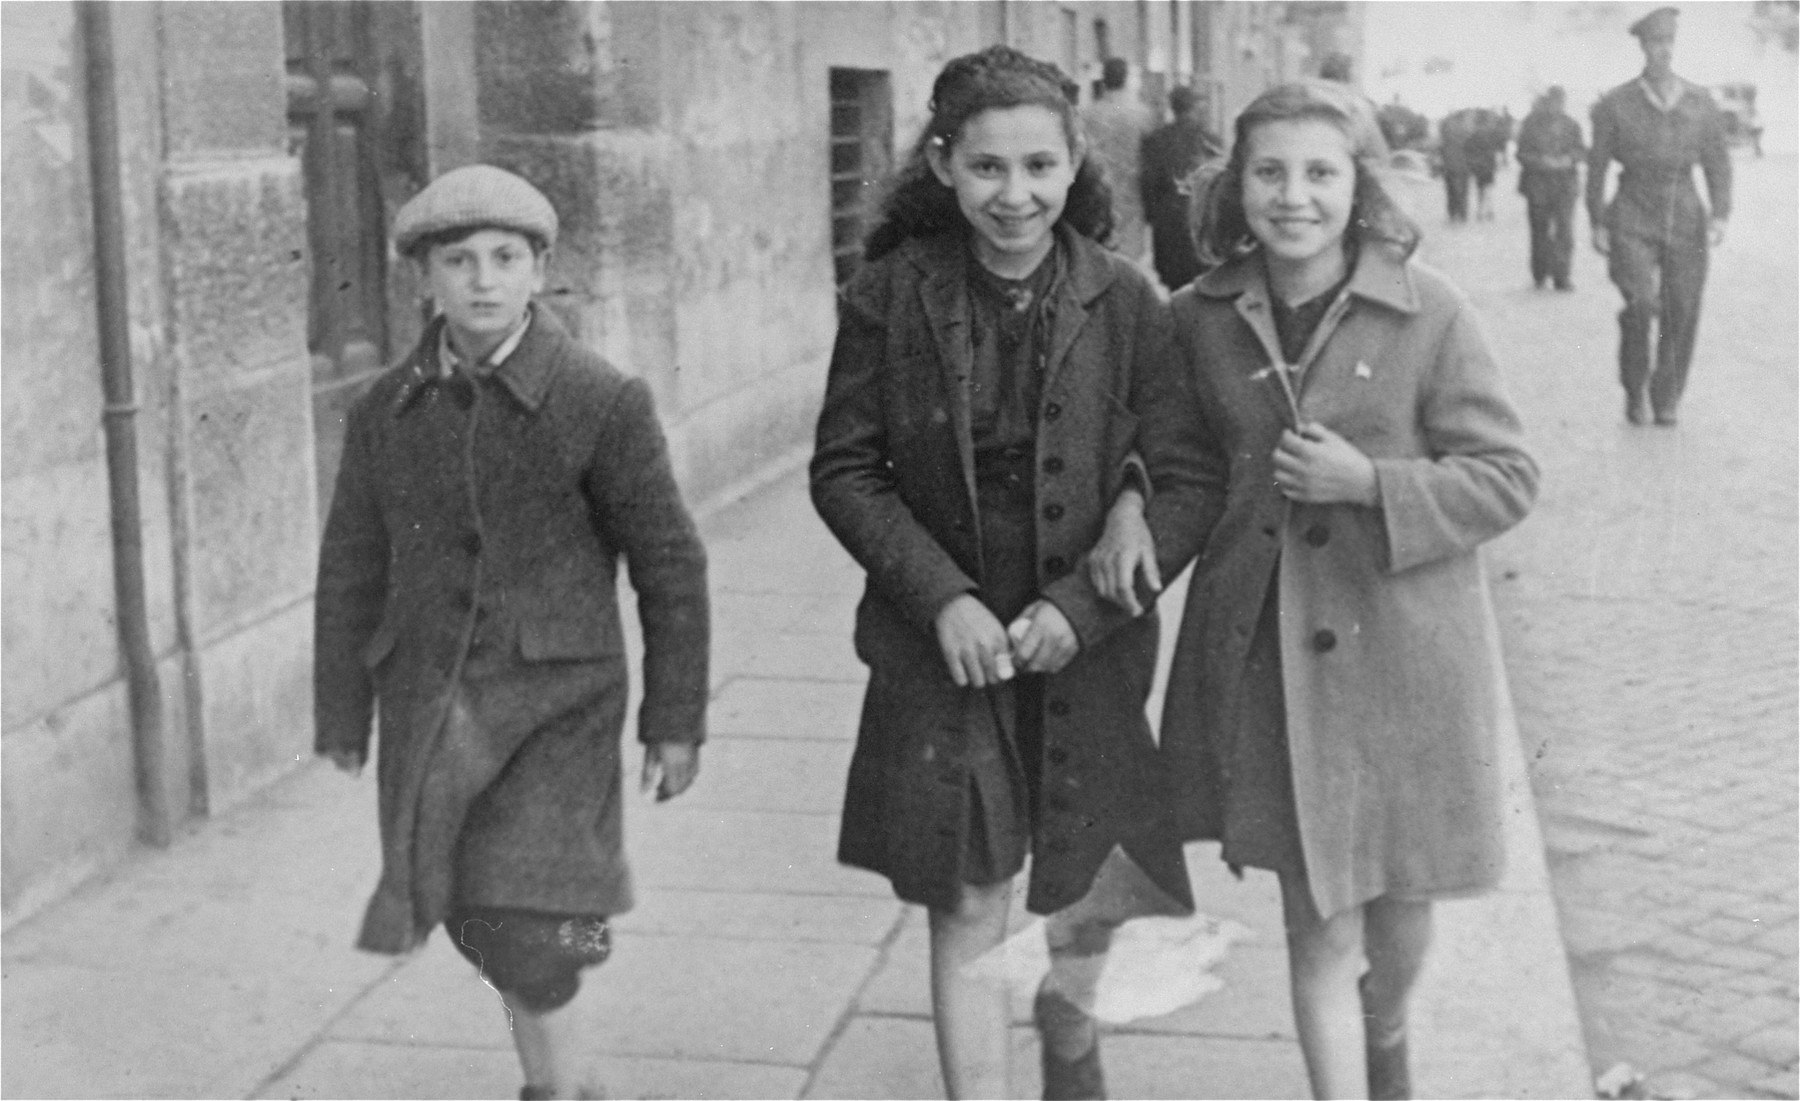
(754, 966)
(1650, 626)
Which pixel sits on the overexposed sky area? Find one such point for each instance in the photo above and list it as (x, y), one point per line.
(1437, 56)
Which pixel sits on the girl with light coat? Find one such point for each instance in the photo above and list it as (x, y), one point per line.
(1337, 687)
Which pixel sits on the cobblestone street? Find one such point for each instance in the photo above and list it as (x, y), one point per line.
(1649, 612)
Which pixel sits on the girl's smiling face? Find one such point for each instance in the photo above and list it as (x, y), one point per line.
(1299, 185)
(1011, 169)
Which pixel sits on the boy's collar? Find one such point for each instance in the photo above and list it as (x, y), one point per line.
(525, 370)
(449, 359)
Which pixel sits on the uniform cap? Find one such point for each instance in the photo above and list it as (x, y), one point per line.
(1658, 24)
(474, 196)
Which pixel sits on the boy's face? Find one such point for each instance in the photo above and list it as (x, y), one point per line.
(483, 283)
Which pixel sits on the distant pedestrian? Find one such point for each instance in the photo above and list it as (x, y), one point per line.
(1116, 124)
(467, 589)
(1170, 155)
(992, 360)
(1336, 690)
(1655, 232)
(1454, 136)
(1486, 150)
(1550, 152)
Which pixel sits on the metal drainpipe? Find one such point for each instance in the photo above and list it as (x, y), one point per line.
(120, 418)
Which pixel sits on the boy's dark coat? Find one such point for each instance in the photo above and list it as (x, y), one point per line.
(893, 476)
(468, 580)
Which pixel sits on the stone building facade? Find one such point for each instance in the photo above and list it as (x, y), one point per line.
(711, 162)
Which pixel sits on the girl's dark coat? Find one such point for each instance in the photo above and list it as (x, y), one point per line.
(893, 477)
(468, 580)
(1389, 653)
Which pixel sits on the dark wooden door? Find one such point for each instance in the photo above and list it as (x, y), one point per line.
(333, 128)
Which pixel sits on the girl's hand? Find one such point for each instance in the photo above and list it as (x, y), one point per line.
(974, 643)
(1316, 466)
(1125, 549)
(347, 760)
(1043, 640)
(669, 768)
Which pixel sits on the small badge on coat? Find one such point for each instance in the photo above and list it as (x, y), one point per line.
(1362, 370)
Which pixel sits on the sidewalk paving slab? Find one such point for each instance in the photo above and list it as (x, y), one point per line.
(754, 965)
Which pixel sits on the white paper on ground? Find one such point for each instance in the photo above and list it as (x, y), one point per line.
(1156, 966)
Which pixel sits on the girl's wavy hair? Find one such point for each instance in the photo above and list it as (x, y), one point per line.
(915, 203)
(1221, 230)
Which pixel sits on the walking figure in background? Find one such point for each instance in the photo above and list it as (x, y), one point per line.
(1170, 155)
(1116, 124)
(1486, 149)
(992, 360)
(467, 586)
(1550, 152)
(1655, 232)
(1337, 688)
(1454, 135)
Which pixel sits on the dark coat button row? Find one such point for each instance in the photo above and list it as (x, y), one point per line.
(1325, 641)
(1053, 512)
(1052, 411)
(1318, 535)
(1053, 465)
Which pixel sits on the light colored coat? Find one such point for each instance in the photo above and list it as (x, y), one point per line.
(1389, 652)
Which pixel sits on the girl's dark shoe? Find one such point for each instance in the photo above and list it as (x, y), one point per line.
(1389, 1078)
(536, 1093)
(1077, 1079)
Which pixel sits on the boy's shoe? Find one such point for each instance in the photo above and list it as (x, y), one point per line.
(1077, 1079)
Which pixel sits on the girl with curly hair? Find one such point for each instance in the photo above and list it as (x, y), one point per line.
(995, 375)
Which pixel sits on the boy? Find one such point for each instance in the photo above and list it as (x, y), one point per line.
(467, 587)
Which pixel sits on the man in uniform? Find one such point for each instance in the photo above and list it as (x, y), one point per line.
(1656, 231)
(1550, 151)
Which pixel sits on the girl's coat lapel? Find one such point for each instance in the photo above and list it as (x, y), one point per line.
(944, 294)
(1379, 277)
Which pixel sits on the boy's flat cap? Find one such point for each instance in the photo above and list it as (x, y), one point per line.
(1658, 24)
(471, 196)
